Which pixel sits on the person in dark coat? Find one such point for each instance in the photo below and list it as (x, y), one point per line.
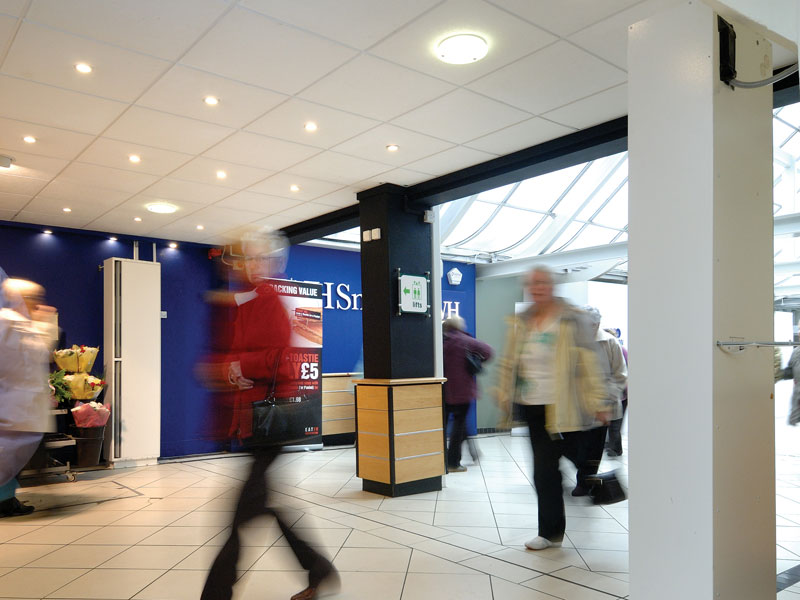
(460, 389)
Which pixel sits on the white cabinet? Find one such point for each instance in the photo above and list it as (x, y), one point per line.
(132, 354)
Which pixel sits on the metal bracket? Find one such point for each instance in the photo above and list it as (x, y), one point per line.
(739, 347)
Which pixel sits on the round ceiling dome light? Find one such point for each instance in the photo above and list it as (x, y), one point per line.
(310, 126)
(462, 49)
(392, 147)
(211, 100)
(162, 208)
(83, 68)
(29, 139)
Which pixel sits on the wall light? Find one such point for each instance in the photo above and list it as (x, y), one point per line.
(462, 49)
(48, 232)
(173, 245)
(112, 239)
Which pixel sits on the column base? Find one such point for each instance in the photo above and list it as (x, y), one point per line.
(431, 484)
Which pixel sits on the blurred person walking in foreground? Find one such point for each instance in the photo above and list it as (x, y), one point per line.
(24, 396)
(255, 368)
(614, 439)
(549, 377)
(460, 389)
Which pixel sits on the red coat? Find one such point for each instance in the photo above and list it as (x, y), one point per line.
(260, 338)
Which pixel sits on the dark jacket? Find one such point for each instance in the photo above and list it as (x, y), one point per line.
(460, 387)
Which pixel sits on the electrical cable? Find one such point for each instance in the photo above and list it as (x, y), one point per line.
(774, 79)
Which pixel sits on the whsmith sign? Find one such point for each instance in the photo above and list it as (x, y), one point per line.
(337, 296)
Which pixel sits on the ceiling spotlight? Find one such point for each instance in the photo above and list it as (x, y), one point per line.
(173, 245)
(310, 126)
(462, 49)
(393, 147)
(48, 232)
(221, 174)
(200, 228)
(135, 158)
(162, 208)
(83, 68)
(137, 219)
(29, 139)
(294, 187)
(5, 162)
(112, 239)
(65, 209)
(211, 100)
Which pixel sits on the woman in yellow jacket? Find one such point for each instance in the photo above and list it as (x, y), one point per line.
(549, 379)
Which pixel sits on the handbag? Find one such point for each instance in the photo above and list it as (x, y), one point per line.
(474, 362)
(606, 488)
(281, 421)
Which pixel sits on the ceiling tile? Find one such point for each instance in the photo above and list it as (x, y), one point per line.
(11, 184)
(188, 191)
(334, 19)
(460, 116)
(85, 211)
(56, 220)
(47, 56)
(35, 102)
(31, 165)
(182, 90)
(204, 170)
(254, 202)
(260, 151)
(520, 136)
(13, 7)
(372, 145)
(223, 215)
(450, 160)
(596, 109)
(185, 229)
(155, 27)
(550, 78)
(608, 39)
(396, 176)
(120, 220)
(13, 202)
(7, 27)
(248, 47)
(287, 122)
(509, 38)
(7, 215)
(275, 221)
(57, 143)
(113, 179)
(179, 233)
(161, 130)
(69, 193)
(375, 88)
(280, 184)
(568, 17)
(340, 198)
(332, 166)
(305, 211)
(113, 153)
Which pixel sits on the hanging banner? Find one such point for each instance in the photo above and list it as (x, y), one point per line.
(303, 303)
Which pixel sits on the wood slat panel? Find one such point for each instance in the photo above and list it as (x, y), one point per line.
(373, 445)
(373, 396)
(376, 421)
(418, 443)
(343, 426)
(420, 419)
(418, 468)
(417, 396)
(338, 412)
(329, 398)
(375, 469)
(333, 383)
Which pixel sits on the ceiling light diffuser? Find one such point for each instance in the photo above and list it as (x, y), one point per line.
(393, 147)
(137, 219)
(211, 100)
(310, 126)
(29, 139)
(294, 187)
(221, 174)
(65, 209)
(83, 68)
(135, 158)
(162, 208)
(462, 49)
(200, 228)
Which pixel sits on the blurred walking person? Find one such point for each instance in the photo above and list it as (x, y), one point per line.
(614, 439)
(549, 377)
(463, 354)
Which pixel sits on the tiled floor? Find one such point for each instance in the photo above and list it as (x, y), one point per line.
(151, 533)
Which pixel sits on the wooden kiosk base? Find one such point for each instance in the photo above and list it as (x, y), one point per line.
(400, 435)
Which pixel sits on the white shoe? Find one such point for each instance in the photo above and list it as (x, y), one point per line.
(540, 543)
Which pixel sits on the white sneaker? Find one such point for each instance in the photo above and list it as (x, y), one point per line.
(540, 543)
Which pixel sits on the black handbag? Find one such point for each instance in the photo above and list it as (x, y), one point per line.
(474, 362)
(606, 488)
(281, 421)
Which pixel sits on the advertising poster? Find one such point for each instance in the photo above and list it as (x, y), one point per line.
(303, 304)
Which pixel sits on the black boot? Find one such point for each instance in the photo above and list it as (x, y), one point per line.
(14, 508)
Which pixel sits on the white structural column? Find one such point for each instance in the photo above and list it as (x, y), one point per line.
(702, 463)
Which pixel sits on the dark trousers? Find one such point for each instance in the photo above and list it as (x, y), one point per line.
(615, 431)
(253, 503)
(458, 433)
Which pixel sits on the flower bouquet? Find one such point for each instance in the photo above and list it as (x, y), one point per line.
(91, 414)
(78, 359)
(84, 386)
(59, 388)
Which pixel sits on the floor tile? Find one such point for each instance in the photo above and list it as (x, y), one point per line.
(282, 558)
(95, 517)
(605, 560)
(361, 539)
(505, 590)
(591, 540)
(596, 581)
(419, 517)
(118, 535)
(149, 557)
(530, 560)
(320, 537)
(150, 518)
(369, 586)
(436, 586)
(181, 536)
(564, 589)
(182, 504)
(202, 558)
(78, 557)
(464, 519)
(206, 518)
(56, 534)
(471, 543)
(387, 560)
(442, 550)
(489, 534)
(19, 555)
(422, 562)
(175, 585)
(269, 585)
(36, 583)
(500, 568)
(108, 584)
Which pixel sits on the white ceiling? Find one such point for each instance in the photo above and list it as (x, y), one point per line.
(362, 69)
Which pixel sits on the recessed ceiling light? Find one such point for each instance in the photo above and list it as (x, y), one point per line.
(211, 100)
(48, 232)
(65, 209)
(393, 147)
(29, 139)
(462, 49)
(310, 126)
(83, 68)
(294, 187)
(173, 245)
(200, 228)
(162, 208)
(135, 158)
(137, 219)
(221, 174)
(112, 239)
